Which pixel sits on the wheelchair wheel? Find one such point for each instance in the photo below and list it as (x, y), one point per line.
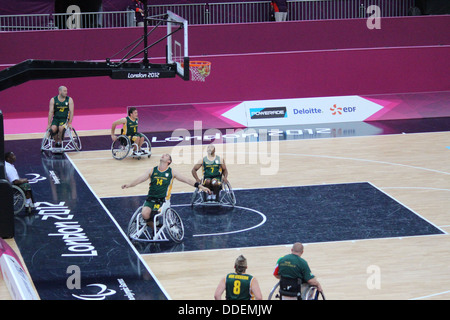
(174, 225)
(272, 292)
(137, 226)
(121, 147)
(46, 143)
(197, 197)
(313, 294)
(228, 196)
(147, 146)
(19, 199)
(75, 139)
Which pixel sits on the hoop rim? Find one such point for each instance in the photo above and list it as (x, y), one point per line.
(198, 63)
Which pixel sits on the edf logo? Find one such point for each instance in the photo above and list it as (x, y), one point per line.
(335, 110)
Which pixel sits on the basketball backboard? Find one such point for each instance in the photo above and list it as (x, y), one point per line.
(177, 44)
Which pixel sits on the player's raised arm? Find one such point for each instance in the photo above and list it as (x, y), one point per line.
(189, 181)
(139, 179)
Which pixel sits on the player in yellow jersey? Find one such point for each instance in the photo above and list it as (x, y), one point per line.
(239, 285)
(161, 180)
(215, 171)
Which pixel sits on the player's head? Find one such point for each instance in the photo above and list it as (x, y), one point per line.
(240, 265)
(62, 91)
(10, 157)
(211, 150)
(297, 248)
(166, 158)
(133, 111)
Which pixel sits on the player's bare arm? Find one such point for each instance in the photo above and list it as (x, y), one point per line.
(139, 179)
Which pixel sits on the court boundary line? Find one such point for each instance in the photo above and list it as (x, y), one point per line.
(401, 203)
(139, 256)
(230, 140)
(431, 295)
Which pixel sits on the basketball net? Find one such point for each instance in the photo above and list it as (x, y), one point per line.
(199, 70)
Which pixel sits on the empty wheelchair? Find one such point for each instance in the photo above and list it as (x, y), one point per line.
(307, 292)
(225, 197)
(167, 225)
(123, 147)
(70, 142)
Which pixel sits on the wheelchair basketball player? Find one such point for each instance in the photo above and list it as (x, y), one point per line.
(215, 172)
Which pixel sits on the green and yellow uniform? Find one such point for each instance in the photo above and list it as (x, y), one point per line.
(130, 129)
(60, 111)
(238, 286)
(294, 267)
(160, 188)
(212, 169)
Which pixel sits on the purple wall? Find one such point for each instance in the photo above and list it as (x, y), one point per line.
(91, 44)
(406, 55)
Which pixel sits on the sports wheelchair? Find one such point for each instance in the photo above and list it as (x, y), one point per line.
(165, 221)
(307, 292)
(225, 197)
(18, 198)
(71, 141)
(124, 147)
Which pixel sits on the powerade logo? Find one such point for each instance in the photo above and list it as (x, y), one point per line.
(268, 113)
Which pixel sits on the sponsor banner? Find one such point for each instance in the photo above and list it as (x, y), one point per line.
(303, 111)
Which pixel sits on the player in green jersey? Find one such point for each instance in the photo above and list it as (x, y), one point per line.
(239, 285)
(215, 171)
(293, 271)
(130, 129)
(159, 193)
(60, 114)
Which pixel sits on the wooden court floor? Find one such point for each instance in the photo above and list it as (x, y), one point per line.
(414, 169)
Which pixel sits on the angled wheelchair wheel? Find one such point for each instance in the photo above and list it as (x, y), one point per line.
(313, 294)
(121, 147)
(46, 143)
(197, 197)
(173, 225)
(75, 139)
(273, 293)
(147, 147)
(19, 199)
(227, 195)
(137, 227)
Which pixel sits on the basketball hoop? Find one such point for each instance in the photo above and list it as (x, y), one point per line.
(199, 70)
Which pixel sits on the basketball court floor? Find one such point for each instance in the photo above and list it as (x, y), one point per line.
(370, 202)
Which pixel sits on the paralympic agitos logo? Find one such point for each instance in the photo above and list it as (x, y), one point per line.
(268, 113)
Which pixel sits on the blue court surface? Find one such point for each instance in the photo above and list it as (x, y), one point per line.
(281, 216)
(72, 228)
